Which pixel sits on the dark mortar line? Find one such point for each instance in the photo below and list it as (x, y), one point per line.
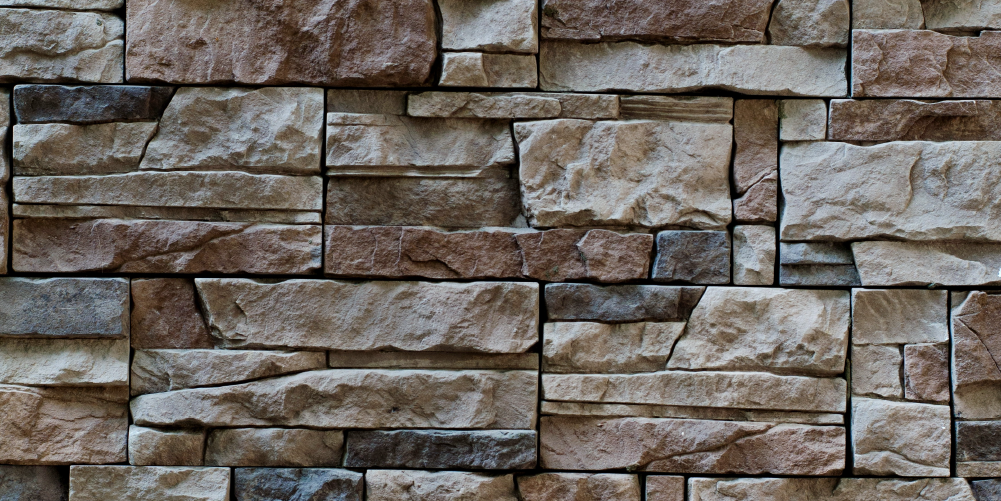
(954, 453)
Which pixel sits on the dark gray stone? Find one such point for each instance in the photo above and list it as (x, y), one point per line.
(978, 441)
(297, 484)
(815, 253)
(987, 490)
(32, 483)
(621, 303)
(64, 307)
(438, 449)
(840, 275)
(696, 257)
(89, 104)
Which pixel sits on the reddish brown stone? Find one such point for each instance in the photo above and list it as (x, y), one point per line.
(165, 316)
(756, 132)
(579, 487)
(760, 204)
(601, 255)
(926, 372)
(909, 120)
(665, 488)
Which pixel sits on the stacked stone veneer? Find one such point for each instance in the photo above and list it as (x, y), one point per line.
(500, 250)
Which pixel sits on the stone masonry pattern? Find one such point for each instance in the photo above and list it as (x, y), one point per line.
(500, 250)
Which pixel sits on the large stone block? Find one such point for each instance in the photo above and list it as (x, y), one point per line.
(810, 23)
(387, 43)
(64, 362)
(899, 316)
(156, 447)
(986, 490)
(924, 263)
(277, 484)
(829, 489)
(911, 120)
(37, 483)
(148, 483)
(621, 303)
(274, 447)
(490, 317)
(89, 104)
(64, 307)
(976, 377)
(583, 347)
(165, 315)
(665, 488)
(155, 371)
(416, 485)
(572, 173)
(900, 438)
(63, 149)
(442, 450)
(492, 26)
(577, 486)
(696, 257)
(61, 46)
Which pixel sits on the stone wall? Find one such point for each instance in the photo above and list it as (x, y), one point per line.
(500, 250)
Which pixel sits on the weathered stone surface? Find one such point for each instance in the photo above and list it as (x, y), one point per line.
(276, 484)
(64, 362)
(437, 449)
(386, 44)
(155, 371)
(753, 329)
(553, 255)
(390, 145)
(483, 105)
(488, 317)
(64, 307)
(415, 485)
(923, 263)
(829, 489)
(89, 104)
(66, 4)
(751, 69)
(677, 108)
(156, 447)
(926, 372)
(476, 69)
(961, 15)
(684, 21)
(492, 26)
(987, 490)
(37, 483)
(697, 257)
(592, 106)
(5, 108)
(910, 120)
(826, 253)
(740, 390)
(975, 469)
(582, 347)
(572, 173)
(887, 15)
(274, 447)
(685, 412)
(898, 438)
(760, 203)
(691, 446)
(876, 371)
(148, 483)
(905, 190)
(134, 246)
(42, 211)
(380, 102)
(802, 120)
(665, 488)
(164, 315)
(62, 149)
(977, 441)
(61, 46)
(579, 486)
(753, 255)
(976, 377)
(431, 360)
(916, 63)
(899, 316)
(352, 398)
(621, 303)
(810, 23)
(755, 132)
(63, 425)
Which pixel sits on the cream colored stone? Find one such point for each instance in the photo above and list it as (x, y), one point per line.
(753, 255)
(802, 120)
(887, 14)
(61, 46)
(490, 25)
(671, 411)
(148, 483)
(899, 316)
(61, 149)
(923, 263)
(898, 438)
(810, 23)
(876, 371)
(274, 447)
(483, 105)
(155, 371)
(64, 362)
(579, 486)
(962, 15)
(581, 347)
(829, 489)
(475, 69)
(156, 447)
(415, 485)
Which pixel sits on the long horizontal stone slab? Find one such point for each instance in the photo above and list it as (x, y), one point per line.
(509, 105)
(64, 307)
(352, 398)
(64, 362)
(922, 263)
(431, 360)
(149, 483)
(904, 190)
(489, 317)
(750, 69)
(551, 408)
(442, 450)
(621, 303)
(211, 190)
(87, 104)
(691, 446)
(710, 109)
(66, 4)
(155, 371)
(274, 447)
(25, 211)
(829, 489)
(911, 120)
(65, 149)
(573, 486)
(738, 390)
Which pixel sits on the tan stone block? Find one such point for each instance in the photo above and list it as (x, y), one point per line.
(910, 120)
(415, 485)
(900, 438)
(577, 486)
(829, 489)
(810, 23)
(925, 263)
(64, 149)
(155, 371)
(148, 483)
(490, 26)
(887, 14)
(274, 447)
(753, 255)
(899, 316)
(45, 45)
(158, 447)
(756, 134)
(581, 347)
(665, 488)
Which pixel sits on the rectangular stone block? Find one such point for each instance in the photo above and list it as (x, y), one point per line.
(665, 488)
(165, 315)
(910, 120)
(584, 409)
(760, 203)
(476, 69)
(61, 46)
(883, 15)
(155, 371)
(431, 360)
(926, 372)
(442, 450)
(394, 485)
(274, 447)
(267, 484)
(977, 441)
(38, 483)
(158, 447)
(829, 489)
(756, 135)
(64, 362)
(695, 257)
(27, 211)
(753, 255)
(89, 104)
(380, 102)
(899, 316)
(802, 120)
(487, 317)
(148, 483)
(749, 69)
(974, 469)
(5, 112)
(900, 438)
(66, 4)
(590, 347)
(64, 149)
(621, 303)
(509, 105)
(574, 486)
(64, 307)
(683, 108)
(876, 371)
(505, 26)
(923, 263)
(815, 23)
(962, 15)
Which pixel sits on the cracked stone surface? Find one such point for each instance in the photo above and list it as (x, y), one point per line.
(578, 486)
(876, 371)
(755, 133)
(590, 347)
(416, 485)
(810, 23)
(829, 489)
(753, 255)
(696, 257)
(155, 371)
(438, 449)
(63, 149)
(926, 372)
(476, 69)
(976, 350)
(900, 438)
(148, 483)
(911, 120)
(274, 447)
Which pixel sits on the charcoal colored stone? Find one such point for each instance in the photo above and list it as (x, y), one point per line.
(89, 104)
(621, 303)
(815, 253)
(34, 483)
(698, 257)
(978, 441)
(438, 449)
(833, 275)
(987, 490)
(283, 484)
(64, 307)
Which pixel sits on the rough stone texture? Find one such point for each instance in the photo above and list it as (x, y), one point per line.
(686, 412)
(66, 4)
(155, 447)
(753, 255)
(380, 102)
(553, 255)
(676, 173)
(977, 441)
(697, 257)
(431, 360)
(904, 190)
(677, 108)
(758, 329)
(975, 373)
(899, 316)
(64, 362)
(155, 371)
(475, 69)
(621, 303)
(917, 63)
(270, 130)
(910, 120)
(350, 398)
(691, 446)
(390, 145)
(829, 489)
(962, 15)
(5, 113)
(64, 307)
(436, 449)
(445, 203)
(887, 14)
(483, 105)
(134, 246)
(488, 25)
(582, 347)
(387, 43)
(876, 371)
(974, 469)
(665, 488)
(415, 485)
(926, 372)
(810, 23)
(825, 253)
(760, 203)
(63, 425)
(898, 438)
(484, 317)
(579, 487)
(924, 263)
(750, 69)
(274, 484)
(89, 104)
(755, 132)
(61, 46)
(680, 21)
(743, 390)
(37, 483)
(987, 490)
(44, 211)
(802, 120)
(62, 149)
(274, 447)
(165, 316)
(148, 483)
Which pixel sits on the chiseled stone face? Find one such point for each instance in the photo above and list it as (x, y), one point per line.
(900, 438)
(583, 347)
(755, 133)
(923, 263)
(416, 485)
(490, 25)
(155, 371)
(64, 362)
(476, 69)
(576, 486)
(267, 484)
(62, 149)
(913, 120)
(89, 104)
(38, 483)
(887, 14)
(697, 257)
(621, 303)
(975, 373)
(968, 15)
(899, 316)
(160, 447)
(148, 483)
(810, 23)
(829, 489)
(753, 255)
(165, 315)
(274, 447)
(926, 372)
(440, 449)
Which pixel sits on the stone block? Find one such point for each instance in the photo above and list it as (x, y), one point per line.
(431, 360)
(37, 483)
(962, 15)
(829, 489)
(708, 109)
(64, 362)
(274, 447)
(5, 113)
(977, 441)
(280, 484)
(43, 45)
(899, 316)
(760, 203)
(876, 371)
(378, 102)
(416, 485)
(926, 263)
(89, 104)
(157, 447)
(621, 303)
(753, 255)
(810, 23)
(576, 486)
(802, 120)
(63, 149)
(589, 347)
(755, 132)
(911, 120)
(155, 371)
(584, 409)
(975, 469)
(476, 69)
(491, 26)
(442, 450)
(165, 315)
(900, 438)
(64, 307)
(148, 483)
(987, 490)
(887, 15)
(926, 372)
(483, 105)
(54, 211)
(975, 374)
(697, 257)
(665, 488)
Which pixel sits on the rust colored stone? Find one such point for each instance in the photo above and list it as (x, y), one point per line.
(926, 372)
(756, 132)
(165, 316)
(909, 120)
